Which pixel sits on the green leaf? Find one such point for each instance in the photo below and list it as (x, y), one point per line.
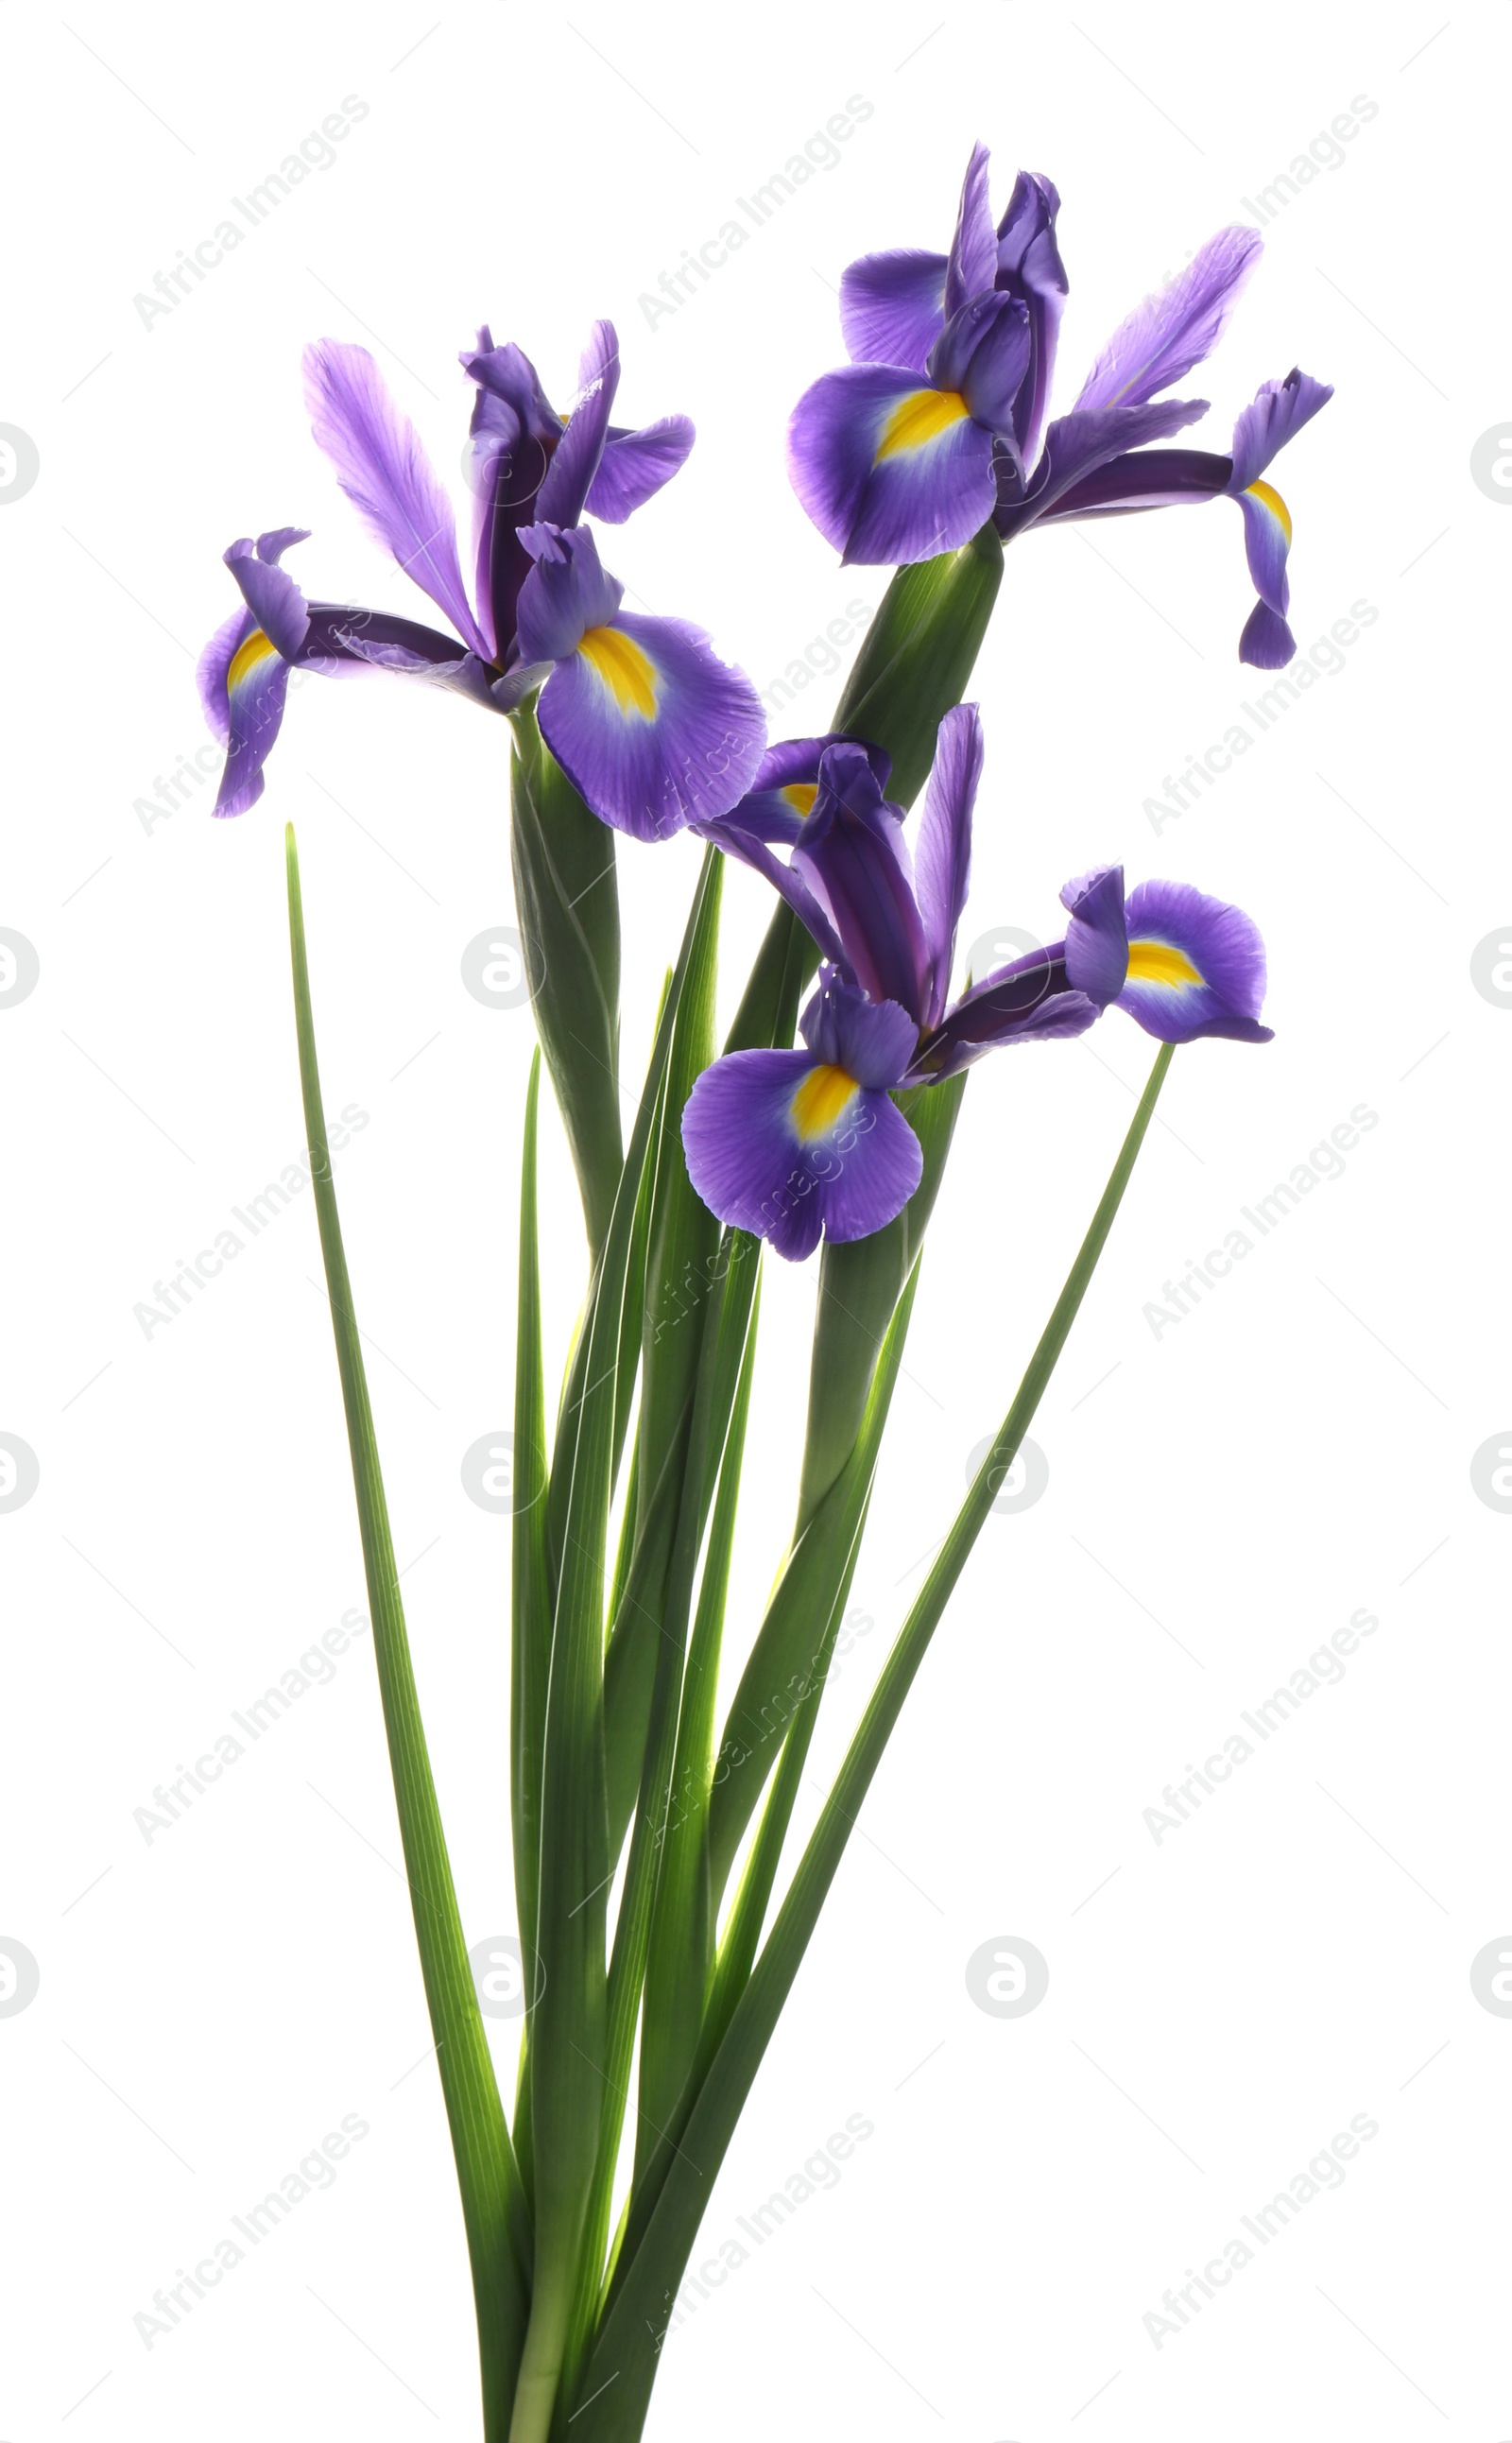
(917, 655)
(530, 1596)
(568, 902)
(570, 2022)
(616, 2387)
(494, 2205)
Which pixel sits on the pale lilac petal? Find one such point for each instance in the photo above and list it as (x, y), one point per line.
(1169, 333)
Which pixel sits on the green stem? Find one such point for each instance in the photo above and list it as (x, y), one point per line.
(493, 2200)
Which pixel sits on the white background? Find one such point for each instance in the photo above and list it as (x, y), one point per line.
(1221, 1497)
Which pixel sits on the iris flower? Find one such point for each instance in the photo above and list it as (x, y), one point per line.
(939, 423)
(647, 723)
(791, 1144)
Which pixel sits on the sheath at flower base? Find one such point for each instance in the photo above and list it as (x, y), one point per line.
(914, 446)
(803, 1144)
(525, 466)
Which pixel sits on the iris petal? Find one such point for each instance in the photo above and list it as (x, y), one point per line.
(753, 1161)
(1196, 966)
(1174, 330)
(690, 757)
(930, 490)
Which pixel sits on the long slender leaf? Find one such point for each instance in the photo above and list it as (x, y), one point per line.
(494, 2205)
(617, 2384)
(530, 1601)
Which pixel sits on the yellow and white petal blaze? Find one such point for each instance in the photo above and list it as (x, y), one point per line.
(248, 658)
(1270, 499)
(801, 796)
(918, 419)
(1161, 963)
(821, 1100)
(626, 672)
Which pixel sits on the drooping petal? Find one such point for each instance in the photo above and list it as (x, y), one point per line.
(384, 469)
(1097, 943)
(256, 683)
(983, 356)
(634, 466)
(893, 307)
(1277, 411)
(572, 469)
(1266, 642)
(973, 265)
(1267, 541)
(1174, 330)
(651, 727)
(889, 468)
(785, 1145)
(1145, 479)
(1078, 445)
(1196, 966)
(212, 666)
(942, 853)
(853, 854)
(271, 596)
(1029, 1000)
(1029, 266)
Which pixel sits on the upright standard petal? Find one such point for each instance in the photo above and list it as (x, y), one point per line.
(791, 1144)
(512, 434)
(1097, 943)
(564, 491)
(983, 355)
(1029, 266)
(651, 727)
(634, 466)
(1196, 966)
(942, 853)
(1169, 333)
(893, 307)
(889, 468)
(567, 592)
(973, 265)
(383, 469)
(852, 855)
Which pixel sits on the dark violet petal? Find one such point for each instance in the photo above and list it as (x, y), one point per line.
(1029, 266)
(212, 665)
(384, 469)
(511, 437)
(564, 491)
(1078, 445)
(942, 853)
(1097, 943)
(1029, 1004)
(1145, 479)
(1267, 541)
(1196, 966)
(973, 258)
(852, 855)
(872, 1041)
(1277, 411)
(889, 469)
(728, 832)
(776, 1144)
(566, 592)
(651, 727)
(634, 466)
(984, 353)
(1169, 333)
(1266, 643)
(256, 681)
(273, 598)
(893, 308)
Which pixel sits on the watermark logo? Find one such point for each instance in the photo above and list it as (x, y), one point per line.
(1492, 967)
(1490, 463)
(488, 1475)
(504, 1990)
(19, 1976)
(1491, 1472)
(19, 963)
(21, 1472)
(501, 969)
(20, 465)
(1017, 1485)
(1491, 1977)
(1007, 1978)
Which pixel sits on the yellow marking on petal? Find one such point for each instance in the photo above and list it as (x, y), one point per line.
(628, 673)
(1270, 499)
(247, 657)
(922, 417)
(1161, 963)
(801, 796)
(821, 1099)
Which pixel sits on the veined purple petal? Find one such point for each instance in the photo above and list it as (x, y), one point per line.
(634, 466)
(271, 596)
(651, 727)
(256, 682)
(1097, 944)
(571, 473)
(782, 796)
(889, 468)
(972, 264)
(1196, 966)
(852, 855)
(893, 307)
(788, 1147)
(983, 354)
(1145, 479)
(1029, 1000)
(271, 546)
(512, 434)
(1029, 266)
(1266, 642)
(1278, 410)
(942, 854)
(1267, 541)
(1076, 444)
(1169, 333)
(872, 1041)
(729, 834)
(212, 666)
(566, 592)
(383, 469)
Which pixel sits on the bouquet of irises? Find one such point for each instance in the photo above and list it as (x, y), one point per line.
(929, 452)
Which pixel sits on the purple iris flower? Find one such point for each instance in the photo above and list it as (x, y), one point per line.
(940, 423)
(793, 1144)
(649, 725)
